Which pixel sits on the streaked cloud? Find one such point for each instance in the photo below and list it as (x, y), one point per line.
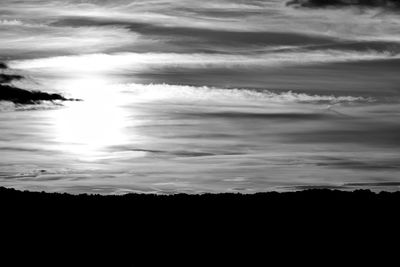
(200, 96)
(113, 62)
(346, 3)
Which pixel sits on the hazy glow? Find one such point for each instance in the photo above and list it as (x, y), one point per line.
(88, 128)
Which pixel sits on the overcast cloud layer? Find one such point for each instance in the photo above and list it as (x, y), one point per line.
(194, 96)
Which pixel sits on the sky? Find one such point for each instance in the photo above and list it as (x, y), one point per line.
(222, 34)
(201, 96)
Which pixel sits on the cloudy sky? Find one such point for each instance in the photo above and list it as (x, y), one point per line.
(200, 96)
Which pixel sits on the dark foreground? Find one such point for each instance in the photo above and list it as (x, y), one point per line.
(311, 223)
(228, 205)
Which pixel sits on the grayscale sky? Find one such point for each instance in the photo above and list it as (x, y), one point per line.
(201, 96)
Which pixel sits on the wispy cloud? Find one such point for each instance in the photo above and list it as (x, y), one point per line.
(113, 62)
(31, 40)
(346, 3)
(98, 26)
(143, 92)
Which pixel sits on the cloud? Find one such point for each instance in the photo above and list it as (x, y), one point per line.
(10, 22)
(193, 36)
(7, 78)
(113, 63)
(264, 116)
(344, 3)
(316, 72)
(372, 133)
(21, 96)
(36, 40)
(143, 92)
(68, 27)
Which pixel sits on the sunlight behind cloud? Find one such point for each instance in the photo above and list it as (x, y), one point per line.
(88, 128)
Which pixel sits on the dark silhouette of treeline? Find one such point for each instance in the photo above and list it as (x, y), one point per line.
(21, 96)
(311, 221)
(343, 3)
(229, 205)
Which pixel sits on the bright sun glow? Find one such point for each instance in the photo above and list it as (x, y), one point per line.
(87, 128)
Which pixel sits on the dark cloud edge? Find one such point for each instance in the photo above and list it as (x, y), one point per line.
(22, 96)
(387, 4)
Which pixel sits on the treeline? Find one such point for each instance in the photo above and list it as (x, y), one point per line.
(312, 199)
(159, 219)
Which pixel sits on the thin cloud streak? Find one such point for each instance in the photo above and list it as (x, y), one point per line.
(110, 62)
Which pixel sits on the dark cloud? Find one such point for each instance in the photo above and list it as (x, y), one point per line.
(344, 3)
(358, 164)
(365, 46)
(196, 36)
(22, 96)
(178, 153)
(373, 133)
(220, 13)
(388, 184)
(372, 78)
(315, 187)
(267, 116)
(6, 78)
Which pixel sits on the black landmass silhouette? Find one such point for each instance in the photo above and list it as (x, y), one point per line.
(229, 206)
(314, 222)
